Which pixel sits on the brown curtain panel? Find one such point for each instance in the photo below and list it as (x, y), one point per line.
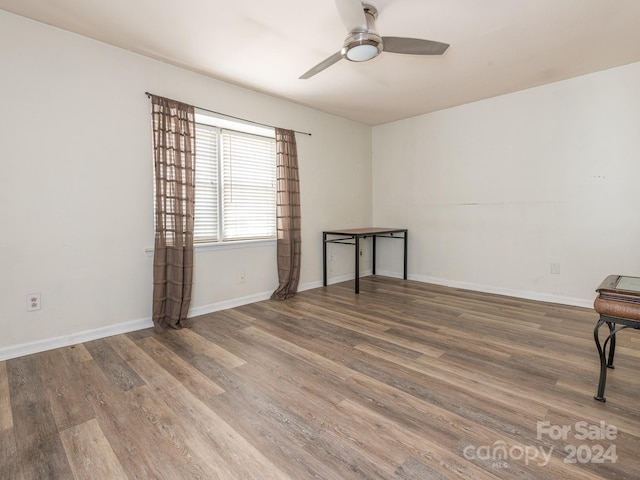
(174, 159)
(287, 215)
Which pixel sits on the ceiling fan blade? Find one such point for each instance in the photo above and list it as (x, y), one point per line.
(413, 46)
(352, 14)
(326, 63)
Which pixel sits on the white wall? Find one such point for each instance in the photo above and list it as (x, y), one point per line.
(76, 197)
(492, 192)
(495, 191)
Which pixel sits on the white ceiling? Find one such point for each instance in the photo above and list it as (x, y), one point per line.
(497, 46)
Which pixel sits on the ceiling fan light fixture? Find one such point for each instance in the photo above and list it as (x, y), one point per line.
(362, 46)
(362, 53)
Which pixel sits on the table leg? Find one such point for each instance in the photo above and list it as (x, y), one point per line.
(603, 362)
(324, 259)
(406, 233)
(606, 361)
(612, 347)
(373, 265)
(357, 239)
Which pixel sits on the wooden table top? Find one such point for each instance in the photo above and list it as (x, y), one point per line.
(620, 284)
(365, 231)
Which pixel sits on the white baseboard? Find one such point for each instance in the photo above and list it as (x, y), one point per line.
(38, 346)
(15, 351)
(332, 280)
(226, 304)
(540, 297)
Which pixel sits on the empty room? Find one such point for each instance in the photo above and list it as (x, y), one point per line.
(393, 239)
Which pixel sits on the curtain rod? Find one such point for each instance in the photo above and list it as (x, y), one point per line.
(231, 116)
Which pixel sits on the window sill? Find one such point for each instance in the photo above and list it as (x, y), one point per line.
(205, 247)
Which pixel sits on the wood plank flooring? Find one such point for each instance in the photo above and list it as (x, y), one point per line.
(404, 381)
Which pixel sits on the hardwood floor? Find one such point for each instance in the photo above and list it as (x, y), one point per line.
(404, 381)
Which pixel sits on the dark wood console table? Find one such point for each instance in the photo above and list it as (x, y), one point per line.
(618, 303)
(352, 237)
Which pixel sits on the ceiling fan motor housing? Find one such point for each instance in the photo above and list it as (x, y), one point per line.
(363, 46)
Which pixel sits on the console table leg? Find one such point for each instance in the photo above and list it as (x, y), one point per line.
(612, 346)
(603, 362)
(373, 264)
(324, 259)
(357, 264)
(406, 233)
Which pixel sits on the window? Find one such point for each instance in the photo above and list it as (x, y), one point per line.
(235, 181)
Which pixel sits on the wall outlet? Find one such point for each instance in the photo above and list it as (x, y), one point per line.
(555, 268)
(33, 302)
(241, 277)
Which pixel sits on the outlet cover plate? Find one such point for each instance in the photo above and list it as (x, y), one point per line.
(33, 302)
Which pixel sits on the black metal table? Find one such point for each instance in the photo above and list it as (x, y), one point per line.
(352, 237)
(618, 303)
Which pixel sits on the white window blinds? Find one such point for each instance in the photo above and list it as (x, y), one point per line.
(248, 186)
(206, 203)
(235, 185)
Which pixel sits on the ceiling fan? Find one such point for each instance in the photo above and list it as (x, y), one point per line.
(364, 43)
